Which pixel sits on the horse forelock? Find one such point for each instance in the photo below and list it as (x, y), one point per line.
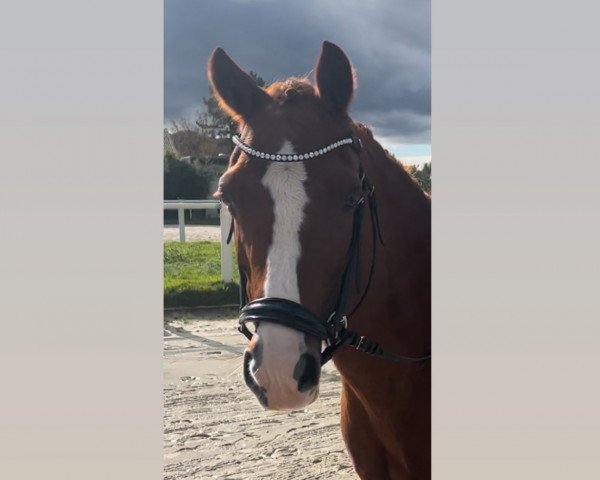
(291, 89)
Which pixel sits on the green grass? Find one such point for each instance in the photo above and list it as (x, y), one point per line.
(192, 276)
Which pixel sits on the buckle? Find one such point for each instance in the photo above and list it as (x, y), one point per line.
(356, 144)
(337, 327)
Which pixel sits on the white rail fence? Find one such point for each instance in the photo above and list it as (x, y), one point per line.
(225, 221)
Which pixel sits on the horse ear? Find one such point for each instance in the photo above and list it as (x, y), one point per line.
(335, 79)
(237, 92)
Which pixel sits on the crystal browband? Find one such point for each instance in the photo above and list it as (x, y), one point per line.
(296, 157)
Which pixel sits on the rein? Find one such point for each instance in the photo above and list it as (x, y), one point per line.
(297, 317)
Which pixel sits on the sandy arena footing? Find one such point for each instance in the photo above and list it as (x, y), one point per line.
(215, 427)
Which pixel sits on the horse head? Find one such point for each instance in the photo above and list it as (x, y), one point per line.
(292, 187)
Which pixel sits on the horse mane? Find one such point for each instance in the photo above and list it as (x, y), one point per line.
(379, 154)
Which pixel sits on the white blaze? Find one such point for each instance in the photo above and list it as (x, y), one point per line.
(285, 183)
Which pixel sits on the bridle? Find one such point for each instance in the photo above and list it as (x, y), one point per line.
(291, 314)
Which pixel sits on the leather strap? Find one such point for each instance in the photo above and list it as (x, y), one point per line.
(284, 312)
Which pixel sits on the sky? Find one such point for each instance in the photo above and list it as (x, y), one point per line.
(387, 41)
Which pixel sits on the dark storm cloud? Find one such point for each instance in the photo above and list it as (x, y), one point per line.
(388, 42)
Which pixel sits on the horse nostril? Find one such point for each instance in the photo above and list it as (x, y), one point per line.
(306, 372)
(259, 391)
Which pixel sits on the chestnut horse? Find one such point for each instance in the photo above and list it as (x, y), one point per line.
(298, 186)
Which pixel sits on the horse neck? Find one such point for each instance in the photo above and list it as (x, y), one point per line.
(399, 303)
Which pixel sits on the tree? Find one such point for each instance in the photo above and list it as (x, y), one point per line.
(202, 148)
(192, 142)
(421, 175)
(182, 180)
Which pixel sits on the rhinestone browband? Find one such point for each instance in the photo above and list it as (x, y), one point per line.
(294, 157)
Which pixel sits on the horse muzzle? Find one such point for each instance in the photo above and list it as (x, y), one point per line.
(282, 367)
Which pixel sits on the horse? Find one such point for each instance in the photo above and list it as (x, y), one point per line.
(333, 237)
